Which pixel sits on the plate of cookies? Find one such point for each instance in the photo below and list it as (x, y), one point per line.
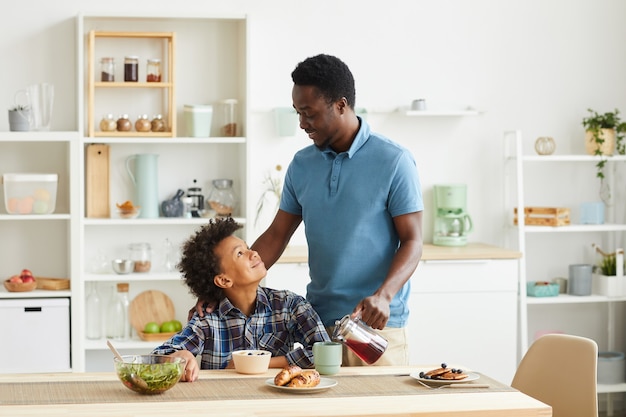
(300, 381)
(445, 375)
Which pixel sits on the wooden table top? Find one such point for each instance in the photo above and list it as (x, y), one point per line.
(498, 400)
(474, 250)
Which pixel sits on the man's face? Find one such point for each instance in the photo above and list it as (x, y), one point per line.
(320, 120)
(242, 265)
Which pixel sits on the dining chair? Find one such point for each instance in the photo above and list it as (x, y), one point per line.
(561, 370)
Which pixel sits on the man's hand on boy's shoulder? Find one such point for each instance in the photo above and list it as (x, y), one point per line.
(201, 307)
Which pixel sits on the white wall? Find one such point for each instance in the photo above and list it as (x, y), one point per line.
(534, 65)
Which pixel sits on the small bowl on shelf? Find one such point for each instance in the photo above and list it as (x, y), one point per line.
(128, 213)
(123, 266)
(20, 286)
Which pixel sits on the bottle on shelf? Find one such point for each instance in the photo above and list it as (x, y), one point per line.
(93, 312)
(118, 324)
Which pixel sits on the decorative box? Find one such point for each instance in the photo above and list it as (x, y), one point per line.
(542, 290)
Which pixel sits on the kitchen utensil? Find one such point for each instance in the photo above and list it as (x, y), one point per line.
(145, 178)
(360, 339)
(123, 266)
(454, 385)
(133, 377)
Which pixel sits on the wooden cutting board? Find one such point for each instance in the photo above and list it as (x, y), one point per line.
(152, 305)
(97, 181)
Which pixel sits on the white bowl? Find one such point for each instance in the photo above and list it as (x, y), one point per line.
(251, 361)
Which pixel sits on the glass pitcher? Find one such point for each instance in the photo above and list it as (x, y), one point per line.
(360, 339)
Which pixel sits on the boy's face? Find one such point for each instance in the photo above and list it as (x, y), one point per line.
(241, 265)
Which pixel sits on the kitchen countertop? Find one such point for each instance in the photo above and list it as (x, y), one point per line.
(298, 254)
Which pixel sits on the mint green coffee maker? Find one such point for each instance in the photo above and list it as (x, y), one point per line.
(452, 222)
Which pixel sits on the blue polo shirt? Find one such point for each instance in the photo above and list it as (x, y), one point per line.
(347, 202)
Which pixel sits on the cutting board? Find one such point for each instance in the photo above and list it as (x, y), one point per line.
(152, 305)
(97, 181)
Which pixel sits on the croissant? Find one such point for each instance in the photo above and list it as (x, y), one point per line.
(286, 375)
(307, 379)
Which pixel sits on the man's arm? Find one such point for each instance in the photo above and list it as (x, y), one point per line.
(272, 243)
(374, 310)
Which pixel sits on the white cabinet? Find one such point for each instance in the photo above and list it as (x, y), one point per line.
(554, 181)
(465, 311)
(36, 335)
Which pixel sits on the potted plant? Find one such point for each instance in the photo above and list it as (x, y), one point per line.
(607, 279)
(604, 133)
(19, 118)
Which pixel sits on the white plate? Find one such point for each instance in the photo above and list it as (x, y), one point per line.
(471, 376)
(325, 383)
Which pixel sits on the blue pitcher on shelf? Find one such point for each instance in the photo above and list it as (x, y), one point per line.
(145, 180)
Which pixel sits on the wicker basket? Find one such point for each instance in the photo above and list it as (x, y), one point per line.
(20, 286)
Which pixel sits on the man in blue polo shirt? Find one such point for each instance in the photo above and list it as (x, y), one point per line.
(359, 196)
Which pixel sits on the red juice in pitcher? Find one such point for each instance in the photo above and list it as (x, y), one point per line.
(368, 352)
(360, 339)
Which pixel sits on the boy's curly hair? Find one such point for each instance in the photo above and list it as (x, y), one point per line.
(330, 75)
(199, 264)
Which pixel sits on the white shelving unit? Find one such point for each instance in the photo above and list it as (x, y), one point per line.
(552, 181)
(220, 71)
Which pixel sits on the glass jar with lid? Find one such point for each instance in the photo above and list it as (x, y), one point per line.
(158, 124)
(141, 254)
(222, 198)
(153, 71)
(131, 68)
(107, 69)
(124, 124)
(228, 117)
(143, 124)
(108, 123)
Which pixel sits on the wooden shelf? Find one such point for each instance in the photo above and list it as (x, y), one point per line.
(168, 103)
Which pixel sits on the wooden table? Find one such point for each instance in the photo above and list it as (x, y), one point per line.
(446, 402)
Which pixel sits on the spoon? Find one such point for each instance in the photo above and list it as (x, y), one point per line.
(135, 379)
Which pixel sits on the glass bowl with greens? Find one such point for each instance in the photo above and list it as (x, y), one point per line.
(149, 374)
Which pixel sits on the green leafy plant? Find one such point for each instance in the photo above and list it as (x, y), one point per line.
(608, 263)
(594, 123)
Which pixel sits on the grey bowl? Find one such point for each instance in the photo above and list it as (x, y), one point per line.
(123, 266)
